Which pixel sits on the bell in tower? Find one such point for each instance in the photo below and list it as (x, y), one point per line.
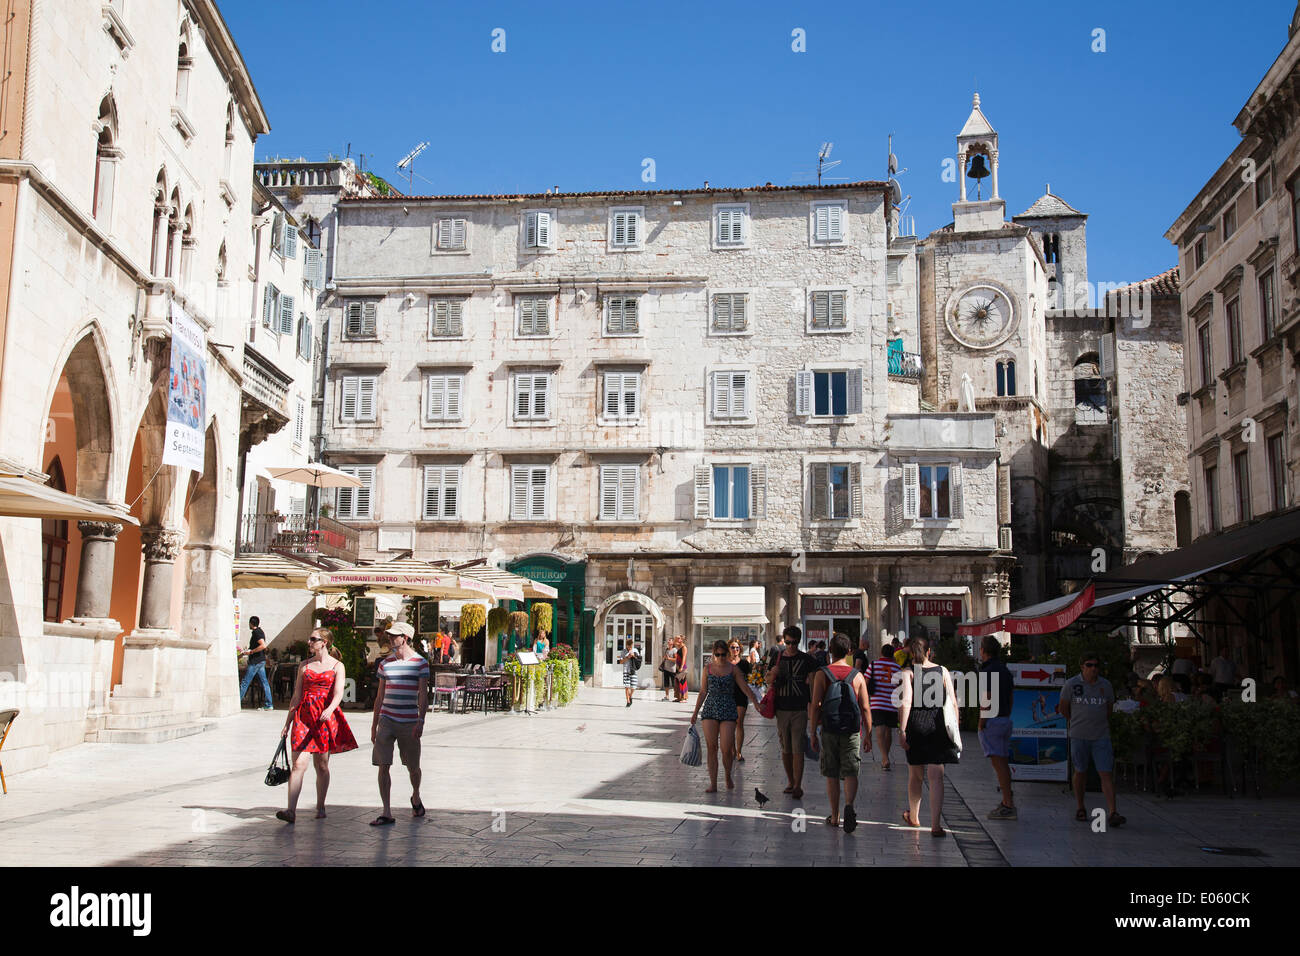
(978, 170)
(977, 158)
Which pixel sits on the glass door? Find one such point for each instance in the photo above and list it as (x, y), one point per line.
(621, 632)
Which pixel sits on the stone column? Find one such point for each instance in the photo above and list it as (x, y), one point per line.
(993, 156)
(95, 576)
(205, 675)
(991, 597)
(961, 174)
(161, 548)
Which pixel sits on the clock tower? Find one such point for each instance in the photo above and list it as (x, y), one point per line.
(983, 298)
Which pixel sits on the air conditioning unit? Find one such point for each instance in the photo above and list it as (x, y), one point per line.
(1004, 539)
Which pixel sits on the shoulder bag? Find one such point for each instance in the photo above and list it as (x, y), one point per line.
(278, 772)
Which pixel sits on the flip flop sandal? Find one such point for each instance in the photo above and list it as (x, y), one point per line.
(382, 821)
(1081, 816)
(830, 824)
(285, 815)
(907, 818)
(850, 819)
(788, 790)
(417, 808)
(938, 833)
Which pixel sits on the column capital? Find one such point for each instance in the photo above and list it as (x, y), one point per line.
(100, 530)
(161, 544)
(990, 587)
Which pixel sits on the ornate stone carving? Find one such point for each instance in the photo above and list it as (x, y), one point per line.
(990, 587)
(1004, 584)
(99, 530)
(161, 544)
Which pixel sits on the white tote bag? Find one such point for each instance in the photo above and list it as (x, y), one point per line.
(950, 723)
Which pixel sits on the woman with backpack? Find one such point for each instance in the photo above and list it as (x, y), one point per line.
(717, 699)
(841, 711)
(926, 692)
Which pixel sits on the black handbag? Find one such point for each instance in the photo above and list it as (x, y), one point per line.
(278, 772)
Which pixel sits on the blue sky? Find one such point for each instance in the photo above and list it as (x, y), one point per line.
(585, 91)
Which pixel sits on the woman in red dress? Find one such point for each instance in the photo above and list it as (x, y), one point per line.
(315, 724)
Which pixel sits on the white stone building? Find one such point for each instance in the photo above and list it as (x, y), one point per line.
(643, 397)
(125, 185)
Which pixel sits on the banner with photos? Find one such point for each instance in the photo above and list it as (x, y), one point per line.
(186, 393)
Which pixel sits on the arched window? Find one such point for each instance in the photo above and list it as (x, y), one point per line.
(187, 243)
(54, 549)
(230, 140)
(157, 234)
(221, 263)
(1006, 376)
(1183, 518)
(184, 64)
(173, 234)
(1051, 247)
(106, 156)
(1089, 392)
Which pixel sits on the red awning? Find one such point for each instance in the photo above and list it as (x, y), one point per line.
(1046, 618)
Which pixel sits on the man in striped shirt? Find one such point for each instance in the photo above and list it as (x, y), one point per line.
(881, 677)
(399, 717)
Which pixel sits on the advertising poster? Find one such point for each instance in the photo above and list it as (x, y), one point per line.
(1039, 749)
(186, 393)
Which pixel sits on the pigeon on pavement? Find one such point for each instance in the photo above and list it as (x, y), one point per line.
(760, 796)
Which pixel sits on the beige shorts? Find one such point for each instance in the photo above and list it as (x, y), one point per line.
(403, 734)
(792, 729)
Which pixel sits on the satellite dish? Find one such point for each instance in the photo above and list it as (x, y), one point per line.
(893, 164)
(895, 191)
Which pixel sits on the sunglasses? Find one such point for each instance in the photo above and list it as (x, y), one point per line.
(719, 654)
(1091, 664)
(315, 640)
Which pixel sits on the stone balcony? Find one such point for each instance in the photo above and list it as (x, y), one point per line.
(265, 399)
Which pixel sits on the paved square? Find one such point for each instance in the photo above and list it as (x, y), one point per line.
(596, 783)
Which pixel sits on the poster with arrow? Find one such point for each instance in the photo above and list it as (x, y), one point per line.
(1038, 731)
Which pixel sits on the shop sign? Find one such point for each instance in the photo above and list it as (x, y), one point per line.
(832, 606)
(934, 607)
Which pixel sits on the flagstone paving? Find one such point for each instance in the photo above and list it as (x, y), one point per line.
(596, 784)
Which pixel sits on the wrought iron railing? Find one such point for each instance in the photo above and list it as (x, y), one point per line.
(904, 364)
(297, 534)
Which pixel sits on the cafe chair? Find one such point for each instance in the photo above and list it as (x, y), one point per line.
(444, 685)
(6, 721)
(476, 688)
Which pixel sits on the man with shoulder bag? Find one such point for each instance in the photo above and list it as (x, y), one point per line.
(841, 710)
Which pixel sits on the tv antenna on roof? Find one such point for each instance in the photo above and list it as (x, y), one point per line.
(824, 165)
(407, 163)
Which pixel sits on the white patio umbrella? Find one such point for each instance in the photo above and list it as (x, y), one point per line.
(315, 473)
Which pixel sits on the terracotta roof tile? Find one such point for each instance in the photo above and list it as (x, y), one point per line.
(708, 190)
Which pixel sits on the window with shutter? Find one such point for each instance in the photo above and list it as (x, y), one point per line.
(441, 492)
(355, 503)
(821, 487)
(445, 318)
(532, 396)
(348, 409)
(314, 268)
(829, 311)
(286, 314)
(828, 222)
(621, 315)
(443, 397)
(277, 233)
(352, 320)
(366, 398)
(304, 338)
(625, 227)
(529, 492)
(703, 485)
(618, 492)
(534, 315)
(731, 395)
(730, 312)
(730, 230)
(911, 491)
(622, 395)
(290, 240)
(803, 393)
(451, 234)
(270, 307)
(299, 420)
(537, 230)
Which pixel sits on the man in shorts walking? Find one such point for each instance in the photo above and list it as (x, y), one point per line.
(1086, 702)
(882, 676)
(791, 678)
(995, 722)
(842, 712)
(400, 704)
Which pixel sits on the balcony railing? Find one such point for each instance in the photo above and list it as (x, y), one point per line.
(297, 534)
(904, 364)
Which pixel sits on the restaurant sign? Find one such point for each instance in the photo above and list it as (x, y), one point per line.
(934, 607)
(832, 607)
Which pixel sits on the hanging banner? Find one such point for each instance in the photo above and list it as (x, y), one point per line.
(186, 393)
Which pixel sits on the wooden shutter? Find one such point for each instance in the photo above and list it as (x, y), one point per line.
(626, 228)
(366, 398)
(519, 492)
(539, 492)
(629, 480)
(835, 222)
(632, 395)
(369, 319)
(304, 337)
(313, 271)
(523, 398)
(286, 314)
(343, 498)
(349, 413)
(367, 476)
(537, 230)
(277, 233)
(290, 240)
(432, 490)
(542, 395)
(954, 482)
(821, 302)
(821, 217)
(436, 404)
(268, 307)
(836, 318)
(455, 317)
(740, 395)
(703, 490)
(758, 491)
(609, 492)
(911, 491)
(855, 490)
(731, 226)
(721, 395)
(1107, 356)
(451, 492)
(613, 394)
(821, 491)
(631, 323)
(803, 392)
(458, 233)
(353, 325)
(455, 386)
(853, 404)
(739, 320)
(722, 313)
(299, 418)
(444, 233)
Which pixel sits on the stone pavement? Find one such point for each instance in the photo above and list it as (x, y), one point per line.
(595, 783)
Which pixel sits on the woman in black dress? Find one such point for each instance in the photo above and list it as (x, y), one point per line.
(925, 738)
(742, 699)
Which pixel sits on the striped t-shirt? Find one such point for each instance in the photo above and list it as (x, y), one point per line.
(402, 687)
(883, 670)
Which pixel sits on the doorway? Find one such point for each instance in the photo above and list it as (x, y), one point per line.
(621, 632)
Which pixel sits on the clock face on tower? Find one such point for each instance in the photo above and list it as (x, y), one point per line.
(980, 316)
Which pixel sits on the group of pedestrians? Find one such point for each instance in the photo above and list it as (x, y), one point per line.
(316, 728)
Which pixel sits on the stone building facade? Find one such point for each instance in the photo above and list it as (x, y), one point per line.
(125, 180)
(668, 392)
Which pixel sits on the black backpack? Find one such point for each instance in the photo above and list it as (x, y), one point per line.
(840, 713)
(636, 663)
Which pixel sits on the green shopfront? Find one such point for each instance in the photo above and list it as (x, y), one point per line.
(572, 622)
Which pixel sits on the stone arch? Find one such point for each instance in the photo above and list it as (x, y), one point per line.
(154, 505)
(636, 597)
(203, 499)
(86, 371)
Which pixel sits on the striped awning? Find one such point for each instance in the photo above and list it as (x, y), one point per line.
(505, 581)
(404, 576)
(1045, 618)
(23, 498)
(270, 571)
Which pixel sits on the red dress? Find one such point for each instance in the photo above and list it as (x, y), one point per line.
(309, 734)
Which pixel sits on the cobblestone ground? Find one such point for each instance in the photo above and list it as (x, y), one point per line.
(596, 783)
